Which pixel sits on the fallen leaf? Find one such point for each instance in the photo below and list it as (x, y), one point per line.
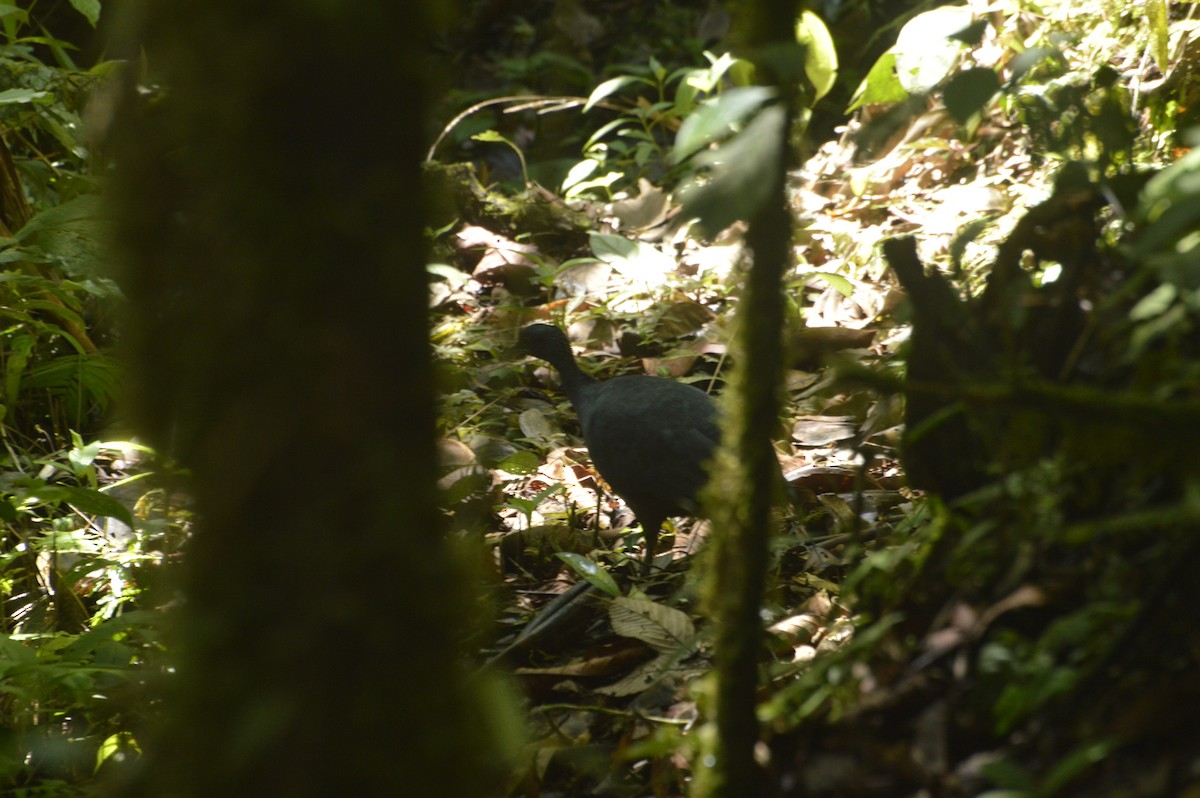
(664, 629)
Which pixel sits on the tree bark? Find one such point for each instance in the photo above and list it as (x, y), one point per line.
(270, 212)
(747, 469)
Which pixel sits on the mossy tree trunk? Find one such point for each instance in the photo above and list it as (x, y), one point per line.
(270, 213)
(747, 470)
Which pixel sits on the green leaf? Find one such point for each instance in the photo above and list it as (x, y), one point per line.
(1156, 15)
(523, 506)
(835, 281)
(451, 274)
(90, 641)
(86, 500)
(716, 118)
(89, 8)
(85, 207)
(492, 136)
(1075, 763)
(1009, 776)
(695, 82)
(638, 260)
(820, 57)
(1155, 303)
(470, 483)
(591, 571)
(743, 171)
(12, 651)
(55, 309)
(84, 456)
(21, 96)
(1169, 207)
(881, 86)
(520, 463)
(926, 50)
(1027, 60)
(609, 88)
(579, 172)
(657, 69)
(969, 92)
(604, 130)
(604, 181)
(18, 356)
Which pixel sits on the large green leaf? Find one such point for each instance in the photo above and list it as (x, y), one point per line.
(86, 500)
(638, 260)
(83, 208)
(89, 8)
(926, 50)
(820, 56)
(742, 171)
(591, 571)
(970, 91)
(716, 118)
(21, 96)
(1156, 16)
(611, 87)
(880, 86)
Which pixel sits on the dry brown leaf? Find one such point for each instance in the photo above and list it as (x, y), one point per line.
(823, 430)
(664, 629)
(649, 673)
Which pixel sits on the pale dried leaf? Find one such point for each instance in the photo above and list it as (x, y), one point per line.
(648, 673)
(647, 209)
(664, 629)
(454, 453)
(822, 430)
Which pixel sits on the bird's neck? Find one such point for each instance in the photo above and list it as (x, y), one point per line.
(574, 381)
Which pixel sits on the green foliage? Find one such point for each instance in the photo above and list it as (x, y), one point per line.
(67, 702)
(591, 571)
(83, 534)
(699, 107)
(820, 54)
(55, 376)
(740, 173)
(638, 141)
(925, 52)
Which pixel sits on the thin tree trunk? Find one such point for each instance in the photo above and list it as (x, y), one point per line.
(747, 467)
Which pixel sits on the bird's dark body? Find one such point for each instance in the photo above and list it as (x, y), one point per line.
(650, 438)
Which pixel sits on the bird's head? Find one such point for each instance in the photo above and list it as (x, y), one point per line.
(547, 342)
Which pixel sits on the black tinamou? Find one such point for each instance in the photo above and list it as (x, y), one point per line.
(650, 438)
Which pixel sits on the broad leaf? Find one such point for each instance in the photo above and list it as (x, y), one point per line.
(636, 260)
(21, 96)
(610, 87)
(591, 571)
(820, 56)
(664, 629)
(880, 86)
(716, 118)
(970, 91)
(742, 173)
(926, 49)
(89, 8)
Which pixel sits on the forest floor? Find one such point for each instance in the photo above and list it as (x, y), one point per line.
(917, 647)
